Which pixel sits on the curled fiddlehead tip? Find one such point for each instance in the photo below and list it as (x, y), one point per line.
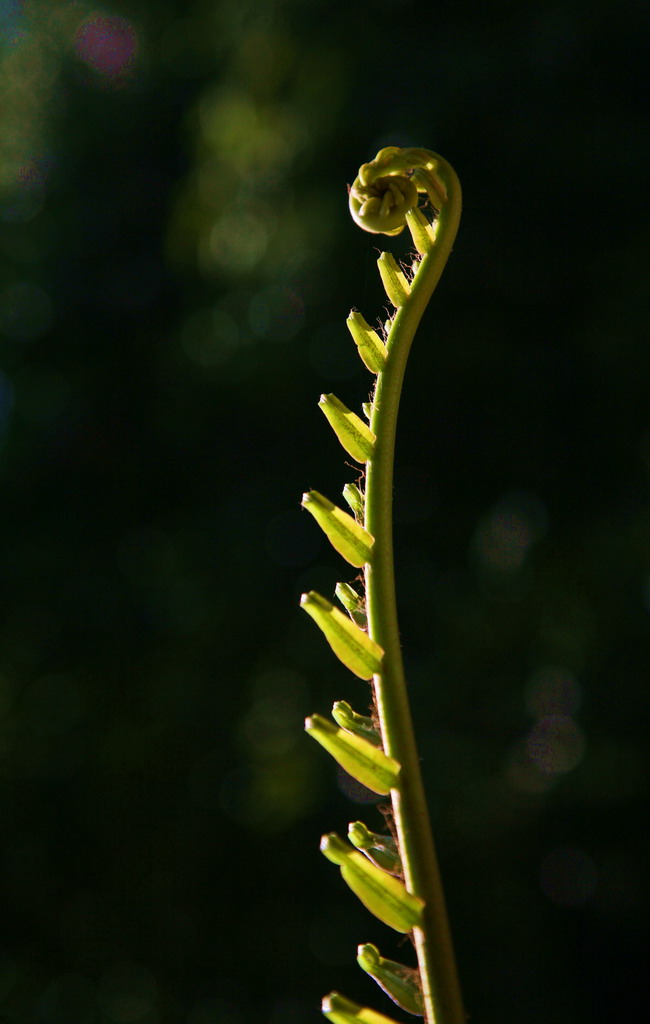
(381, 206)
(387, 187)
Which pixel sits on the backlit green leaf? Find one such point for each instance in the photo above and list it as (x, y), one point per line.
(356, 436)
(354, 498)
(398, 981)
(381, 850)
(353, 603)
(422, 232)
(395, 284)
(348, 719)
(340, 1010)
(360, 758)
(343, 532)
(371, 348)
(350, 644)
(382, 894)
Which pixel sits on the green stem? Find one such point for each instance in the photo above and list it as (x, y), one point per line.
(441, 989)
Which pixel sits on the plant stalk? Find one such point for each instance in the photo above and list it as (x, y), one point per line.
(436, 959)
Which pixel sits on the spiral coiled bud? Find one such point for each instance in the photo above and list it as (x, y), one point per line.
(387, 188)
(381, 205)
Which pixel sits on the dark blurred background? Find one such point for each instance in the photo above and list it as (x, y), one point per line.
(177, 266)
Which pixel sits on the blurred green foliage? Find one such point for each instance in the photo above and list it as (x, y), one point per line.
(177, 265)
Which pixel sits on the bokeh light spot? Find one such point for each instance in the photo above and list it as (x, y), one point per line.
(568, 876)
(272, 726)
(505, 536)
(11, 18)
(239, 239)
(23, 205)
(33, 173)
(270, 793)
(523, 774)
(106, 43)
(228, 121)
(555, 744)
